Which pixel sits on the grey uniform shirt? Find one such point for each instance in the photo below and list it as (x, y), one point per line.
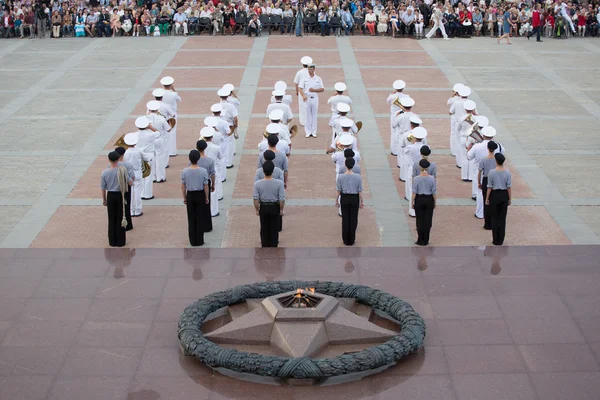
(129, 168)
(432, 170)
(349, 183)
(424, 185)
(280, 161)
(277, 174)
(486, 165)
(268, 191)
(208, 164)
(109, 180)
(499, 180)
(194, 179)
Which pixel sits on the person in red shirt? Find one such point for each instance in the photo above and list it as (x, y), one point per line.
(536, 22)
(581, 23)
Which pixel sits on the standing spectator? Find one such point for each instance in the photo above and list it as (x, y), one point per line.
(42, 20)
(299, 20)
(506, 25)
(536, 22)
(56, 24)
(180, 20)
(28, 20)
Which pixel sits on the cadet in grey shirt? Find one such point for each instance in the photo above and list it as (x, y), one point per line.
(499, 179)
(269, 200)
(279, 161)
(277, 174)
(499, 195)
(432, 170)
(194, 179)
(349, 183)
(424, 191)
(194, 189)
(424, 185)
(349, 200)
(268, 191)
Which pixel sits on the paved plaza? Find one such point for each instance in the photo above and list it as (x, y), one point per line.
(81, 321)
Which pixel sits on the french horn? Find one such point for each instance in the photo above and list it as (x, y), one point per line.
(399, 105)
(358, 126)
(146, 169)
(293, 131)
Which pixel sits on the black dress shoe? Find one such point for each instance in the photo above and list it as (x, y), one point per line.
(224, 180)
(230, 166)
(539, 40)
(474, 198)
(172, 155)
(167, 167)
(147, 198)
(139, 215)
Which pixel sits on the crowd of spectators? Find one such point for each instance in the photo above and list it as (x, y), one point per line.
(397, 18)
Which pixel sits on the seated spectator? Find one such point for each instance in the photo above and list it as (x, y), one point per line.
(56, 24)
(394, 22)
(67, 24)
(216, 20)
(80, 24)
(229, 20)
(592, 23)
(382, 25)
(28, 20)
(8, 24)
(91, 22)
(370, 20)
(581, 23)
(254, 26)
(419, 22)
(477, 22)
(127, 22)
(180, 20)
(407, 22)
(490, 19)
(277, 10)
(288, 18)
(147, 23)
(525, 23)
(115, 23)
(103, 25)
(163, 21)
(138, 23)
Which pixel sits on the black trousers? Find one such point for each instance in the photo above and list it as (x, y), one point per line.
(498, 210)
(487, 222)
(424, 212)
(350, 204)
(114, 206)
(196, 202)
(536, 30)
(128, 210)
(269, 224)
(208, 226)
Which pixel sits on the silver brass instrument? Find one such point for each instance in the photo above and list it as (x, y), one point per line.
(146, 169)
(474, 130)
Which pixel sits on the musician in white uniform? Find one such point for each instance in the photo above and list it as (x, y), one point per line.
(229, 113)
(482, 121)
(343, 126)
(161, 151)
(223, 127)
(397, 94)
(310, 86)
(213, 152)
(412, 155)
(338, 98)
(457, 110)
(280, 105)
(299, 75)
(465, 126)
(235, 101)
(167, 112)
(147, 136)
(451, 100)
(401, 127)
(135, 157)
(287, 98)
(276, 117)
(172, 99)
(283, 146)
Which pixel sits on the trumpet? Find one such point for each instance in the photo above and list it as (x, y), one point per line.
(146, 169)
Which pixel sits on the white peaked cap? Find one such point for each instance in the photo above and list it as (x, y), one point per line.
(131, 139)
(158, 92)
(223, 92)
(419, 132)
(415, 120)
(273, 129)
(346, 122)
(343, 107)
(207, 131)
(142, 122)
(339, 87)
(211, 121)
(276, 115)
(457, 87)
(153, 105)
(167, 80)
(464, 91)
(482, 120)
(229, 86)
(216, 108)
(306, 60)
(407, 102)
(346, 139)
(488, 131)
(280, 85)
(470, 105)
(399, 84)
(278, 93)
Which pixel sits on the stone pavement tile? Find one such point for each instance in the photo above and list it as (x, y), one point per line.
(577, 284)
(87, 361)
(512, 103)
(67, 287)
(62, 104)
(512, 386)
(302, 227)
(165, 362)
(583, 305)
(123, 309)
(594, 96)
(471, 285)
(180, 388)
(590, 327)
(475, 331)
(209, 59)
(195, 102)
(554, 59)
(591, 215)
(7, 98)
(126, 287)
(582, 79)
(13, 80)
(306, 42)
(201, 78)
(556, 134)
(108, 334)
(189, 266)
(222, 388)
(170, 309)
(456, 226)
(34, 60)
(281, 58)
(188, 287)
(257, 126)
(406, 59)
(12, 308)
(17, 287)
(558, 357)
(520, 285)
(483, 359)
(66, 135)
(268, 77)
(558, 329)
(531, 306)
(581, 184)
(80, 79)
(216, 42)
(130, 59)
(351, 390)
(414, 78)
(420, 387)
(489, 79)
(10, 216)
(90, 388)
(465, 307)
(16, 170)
(42, 333)
(161, 226)
(263, 99)
(383, 43)
(426, 102)
(458, 59)
(310, 177)
(438, 132)
(596, 349)
(427, 361)
(567, 385)
(163, 334)
(26, 388)
(56, 309)
(31, 360)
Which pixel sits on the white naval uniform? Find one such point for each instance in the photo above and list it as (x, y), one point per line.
(282, 146)
(457, 110)
(301, 106)
(167, 112)
(393, 111)
(161, 151)
(287, 99)
(146, 146)
(401, 126)
(477, 153)
(287, 111)
(338, 131)
(135, 157)
(223, 128)
(333, 101)
(451, 100)
(212, 151)
(171, 99)
(461, 155)
(228, 114)
(312, 102)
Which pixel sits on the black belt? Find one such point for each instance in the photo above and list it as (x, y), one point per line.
(348, 194)
(269, 203)
(417, 194)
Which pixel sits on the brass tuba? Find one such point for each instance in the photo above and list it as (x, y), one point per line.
(146, 169)
(399, 105)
